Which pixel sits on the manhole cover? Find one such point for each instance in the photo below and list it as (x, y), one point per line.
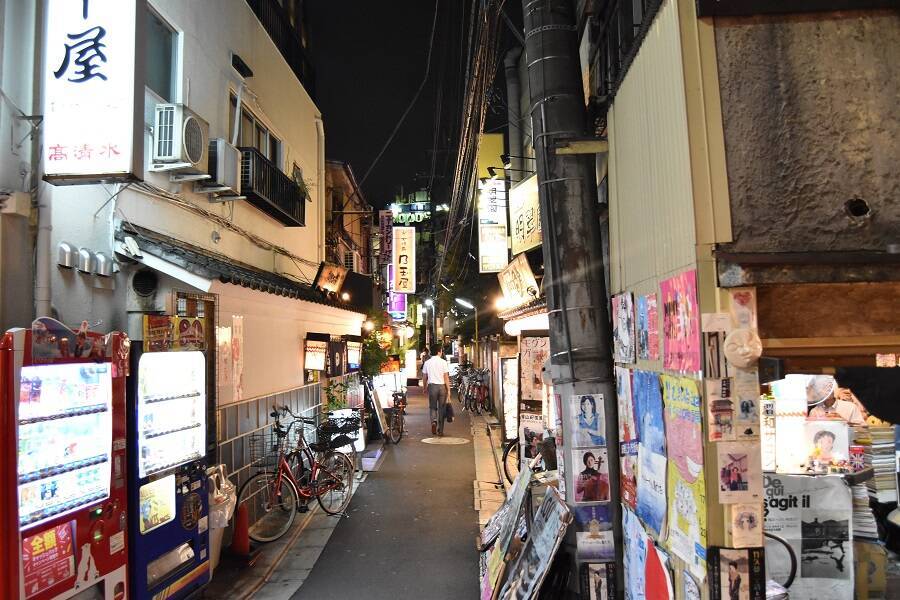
(445, 440)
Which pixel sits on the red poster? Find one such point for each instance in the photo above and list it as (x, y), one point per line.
(48, 558)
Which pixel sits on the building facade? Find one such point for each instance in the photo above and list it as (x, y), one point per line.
(348, 220)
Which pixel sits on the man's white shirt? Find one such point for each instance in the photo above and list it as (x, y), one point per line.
(434, 369)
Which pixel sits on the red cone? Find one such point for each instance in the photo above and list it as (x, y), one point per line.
(240, 541)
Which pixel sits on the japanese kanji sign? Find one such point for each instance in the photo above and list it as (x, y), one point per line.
(492, 229)
(404, 249)
(525, 216)
(385, 223)
(48, 558)
(91, 120)
(517, 282)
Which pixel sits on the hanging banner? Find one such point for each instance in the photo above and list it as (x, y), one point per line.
(91, 121)
(493, 254)
(385, 226)
(533, 352)
(651, 485)
(404, 253)
(686, 482)
(517, 282)
(237, 357)
(330, 277)
(681, 323)
(525, 215)
(647, 328)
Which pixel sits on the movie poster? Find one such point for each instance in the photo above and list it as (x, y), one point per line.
(647, 328)
(635, 555)
(737, 574)
(598, 581)
(686, 482)
(628, 443)
(814, 514)
(681, 323)
(651, 484)
(740, 472)
(623, 327)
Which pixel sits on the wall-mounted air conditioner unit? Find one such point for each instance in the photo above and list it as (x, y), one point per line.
(180, 140)
(224, 171)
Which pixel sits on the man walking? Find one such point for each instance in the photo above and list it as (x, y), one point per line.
(436, 379)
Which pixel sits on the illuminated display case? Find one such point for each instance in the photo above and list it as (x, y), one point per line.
(171, 410)
(65, 439)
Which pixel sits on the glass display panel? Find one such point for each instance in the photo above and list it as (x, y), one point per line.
(64, 439)
(171, 410)
(157, 503)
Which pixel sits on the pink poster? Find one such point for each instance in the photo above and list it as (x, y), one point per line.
(681, 322)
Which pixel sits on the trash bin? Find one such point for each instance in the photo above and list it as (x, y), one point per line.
(222, 500)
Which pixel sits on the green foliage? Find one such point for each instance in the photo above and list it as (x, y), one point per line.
(336, 395)
(373, 355)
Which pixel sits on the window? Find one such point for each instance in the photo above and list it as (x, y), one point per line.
(253, 133)
(162, 49)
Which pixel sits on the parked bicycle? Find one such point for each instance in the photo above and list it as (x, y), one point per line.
(512, 462)
(474, 391)
(274, 494)
(397, 421)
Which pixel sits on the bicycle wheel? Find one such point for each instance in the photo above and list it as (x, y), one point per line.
(271, 511)
(396, 429)
(511, 460)
(334, 482)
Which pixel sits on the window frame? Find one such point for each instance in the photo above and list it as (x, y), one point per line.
(274, 144)
(177, 69)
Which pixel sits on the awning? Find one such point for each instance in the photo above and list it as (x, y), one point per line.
(200, 268)
(527, 317)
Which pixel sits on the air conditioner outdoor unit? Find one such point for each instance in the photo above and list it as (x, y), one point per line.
(180, 140)
(224, 170)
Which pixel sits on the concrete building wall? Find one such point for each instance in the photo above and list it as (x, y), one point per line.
(811, 111)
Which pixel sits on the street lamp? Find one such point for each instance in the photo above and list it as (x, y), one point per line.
(429, 303)
(466, 304)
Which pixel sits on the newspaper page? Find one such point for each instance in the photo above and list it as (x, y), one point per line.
(814, 515)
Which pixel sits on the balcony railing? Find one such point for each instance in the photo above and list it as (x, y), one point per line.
(270, 190)
(275, 21)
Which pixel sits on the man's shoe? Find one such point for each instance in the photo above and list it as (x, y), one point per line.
(433, 427)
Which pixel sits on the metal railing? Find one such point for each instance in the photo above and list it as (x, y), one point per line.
(275, 21)
(270, 190)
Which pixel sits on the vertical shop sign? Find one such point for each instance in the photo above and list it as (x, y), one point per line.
(397, 305)
(493, 254)
(404, 253)
(533, 352)
(385, 226)
(681, 323)
(237, 357)
(525, 215)
(90, 87)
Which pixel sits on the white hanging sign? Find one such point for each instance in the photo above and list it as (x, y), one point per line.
(404, 249)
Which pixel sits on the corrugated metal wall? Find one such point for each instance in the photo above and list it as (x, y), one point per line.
(652, 233)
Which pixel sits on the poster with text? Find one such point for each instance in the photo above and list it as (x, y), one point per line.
(737, 574)
(651, 472)
(628, 442)
(720, 407)
(647, 328)
(595, 546)
(686, 482)
(740, 472)
(635, 555)
(531, 432)
(533, 353)
(746, 525)
(681, 323)
(590, 468)
(623, 327)
(814, 514)
(598, 581)
(588, 420)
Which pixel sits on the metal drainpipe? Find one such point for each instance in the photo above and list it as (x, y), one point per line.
(320, 184)
(580, 332)
(513, 117)
(42, 254)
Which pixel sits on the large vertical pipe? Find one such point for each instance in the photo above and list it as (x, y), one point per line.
(42, 191)
(513, 114)
(580, 332)
(320, 187)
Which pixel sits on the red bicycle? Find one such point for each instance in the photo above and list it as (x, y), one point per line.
(284, 484)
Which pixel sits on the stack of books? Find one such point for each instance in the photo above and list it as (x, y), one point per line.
(864, 525)
(881, 455)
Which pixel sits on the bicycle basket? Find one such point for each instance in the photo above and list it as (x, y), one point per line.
(337, 432)
(266, 446)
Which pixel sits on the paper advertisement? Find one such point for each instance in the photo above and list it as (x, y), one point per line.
(657, 579)
(595, 546)
(237, 357)
(720, 409)
(508, 526)
(746, 525)
(591, 466)
(740, 472)
(533, 353)
(598, 581)
(647, 328)
(651, 483)
(588, 420)
(681, 322)
(737, 574)
(628, 444)
(814, 515)
(623, 327)
(635, 555)
(746, 403)
(595, 517)
(686, 482)
(531, 432)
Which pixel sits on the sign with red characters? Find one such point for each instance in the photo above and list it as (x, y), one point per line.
(48, 558)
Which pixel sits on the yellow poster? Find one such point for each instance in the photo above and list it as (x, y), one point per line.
(686, 483)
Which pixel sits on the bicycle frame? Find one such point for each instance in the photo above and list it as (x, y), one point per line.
(310, 490)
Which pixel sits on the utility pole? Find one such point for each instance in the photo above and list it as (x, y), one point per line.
(580, 335)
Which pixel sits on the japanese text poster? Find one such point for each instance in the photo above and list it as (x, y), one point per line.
(681, 323)
(651, 473)
(647, 328)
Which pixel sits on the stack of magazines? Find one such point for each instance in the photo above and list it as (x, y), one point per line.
(880, 454)
(864, 525)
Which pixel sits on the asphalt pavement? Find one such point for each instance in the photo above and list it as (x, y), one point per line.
(411, 527)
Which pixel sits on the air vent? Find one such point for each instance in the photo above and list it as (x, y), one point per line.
(194, 142)
(145, 282)
(165, 130)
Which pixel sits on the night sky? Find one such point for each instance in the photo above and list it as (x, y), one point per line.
(370, 59)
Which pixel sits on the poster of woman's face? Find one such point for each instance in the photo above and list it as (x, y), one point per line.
(591, 466)
(588, 420)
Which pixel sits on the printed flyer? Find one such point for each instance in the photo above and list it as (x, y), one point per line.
(598, 581)
(740, 472)
(686, 482)
(623, 327)
(628, 443)
(588, 420)
(681, 323)
(746, 402)
(746, 525)
(635, 555)
(651, 484)
(647, 328)
(814, 515)
(533, 353)
(737, 574)
(720, 408)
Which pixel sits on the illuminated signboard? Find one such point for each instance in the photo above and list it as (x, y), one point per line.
(354, 351)
(330, 277)
(492, 231)
(405, 260)
(525, 216)
(93, 129)
(315, 349)
(397, 305)
(517, 282)
(385, 225)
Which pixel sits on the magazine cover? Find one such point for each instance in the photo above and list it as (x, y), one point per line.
(588, 420)
(737, 574)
